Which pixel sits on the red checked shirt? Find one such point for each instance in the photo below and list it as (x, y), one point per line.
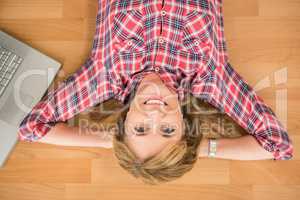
(183, 41)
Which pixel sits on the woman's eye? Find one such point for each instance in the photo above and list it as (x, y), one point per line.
(167, 130)
(139, 129)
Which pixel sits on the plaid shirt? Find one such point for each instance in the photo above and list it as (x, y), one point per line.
(183, 41)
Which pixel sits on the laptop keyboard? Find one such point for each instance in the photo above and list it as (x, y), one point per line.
(9, 63)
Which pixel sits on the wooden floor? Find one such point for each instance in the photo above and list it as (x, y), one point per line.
(263, 38)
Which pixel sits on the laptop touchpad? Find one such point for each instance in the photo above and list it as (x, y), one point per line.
(16, 108)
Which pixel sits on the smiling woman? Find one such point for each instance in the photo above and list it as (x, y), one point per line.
(154, 107)
(155, 141)
(159, 137)
(182, 54)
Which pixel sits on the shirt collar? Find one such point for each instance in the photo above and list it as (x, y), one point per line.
(135, 80)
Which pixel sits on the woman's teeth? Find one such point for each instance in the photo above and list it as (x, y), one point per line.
(154, 101)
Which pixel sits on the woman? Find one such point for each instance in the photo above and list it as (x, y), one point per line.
(151, 56)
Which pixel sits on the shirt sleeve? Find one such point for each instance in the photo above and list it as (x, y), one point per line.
(88, 86)
(230, 93)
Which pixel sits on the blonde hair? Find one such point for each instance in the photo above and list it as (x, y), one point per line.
(163, 167)
(201, 120)
(169, 164)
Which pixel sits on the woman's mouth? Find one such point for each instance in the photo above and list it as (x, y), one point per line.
(155, 100)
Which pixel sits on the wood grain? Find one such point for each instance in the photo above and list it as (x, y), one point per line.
(262, 37)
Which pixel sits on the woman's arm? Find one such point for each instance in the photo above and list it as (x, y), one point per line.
(226, 90)
(242, 148)
(85, 88)
(62, 134)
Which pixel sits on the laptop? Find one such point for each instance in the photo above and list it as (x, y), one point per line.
(25, 75)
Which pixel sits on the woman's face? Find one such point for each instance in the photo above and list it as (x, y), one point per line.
(154, 119)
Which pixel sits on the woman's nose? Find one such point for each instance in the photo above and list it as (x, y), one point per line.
(155, 114)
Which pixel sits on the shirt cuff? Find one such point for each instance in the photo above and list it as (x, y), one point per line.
(281, 150)
(40, 130)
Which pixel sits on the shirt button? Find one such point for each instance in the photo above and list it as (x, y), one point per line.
(161, 40)
(196, 42)
(163, 13)
(129, 43)
(156, 69)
